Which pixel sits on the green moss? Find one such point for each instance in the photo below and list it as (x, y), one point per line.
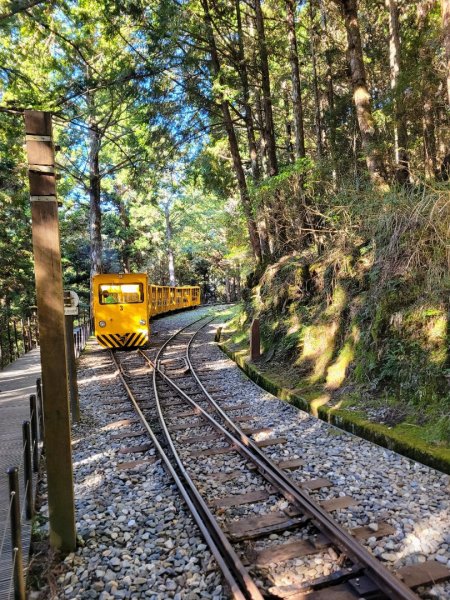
(407, 440)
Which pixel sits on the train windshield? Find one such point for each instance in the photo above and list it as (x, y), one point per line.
(123, 293)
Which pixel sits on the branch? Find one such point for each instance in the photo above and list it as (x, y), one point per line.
(17, 7)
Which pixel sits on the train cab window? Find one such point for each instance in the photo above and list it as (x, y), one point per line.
(126, 293)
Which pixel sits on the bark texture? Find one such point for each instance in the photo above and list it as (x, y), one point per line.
(170, 256)
(95, 216)
(446, 35)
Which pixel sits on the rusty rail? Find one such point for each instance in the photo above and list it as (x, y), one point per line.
(387, 581)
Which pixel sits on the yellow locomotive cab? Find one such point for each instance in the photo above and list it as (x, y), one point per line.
(121, 317)
(124, 304)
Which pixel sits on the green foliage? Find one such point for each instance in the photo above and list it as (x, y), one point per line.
(289, 175)
(16, 266)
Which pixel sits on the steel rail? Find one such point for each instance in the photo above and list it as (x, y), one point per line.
(191, 502)
(385, 579)
(233, 561)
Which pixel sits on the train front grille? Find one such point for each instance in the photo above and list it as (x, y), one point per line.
(125, 340)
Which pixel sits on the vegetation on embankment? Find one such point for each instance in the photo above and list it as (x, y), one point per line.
(358, 332)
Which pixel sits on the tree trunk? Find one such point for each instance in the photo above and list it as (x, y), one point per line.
(288, 125)
(295, 78)
(125, 218)
(330, 119)
(400, 130)
(238, 282)
(429, 137)
(361, 96)
(318, 112)
(95, 216)
(170, 257)
(265, 86)
(227, 289)
(232, 140)
(262, 139)
(446, 35)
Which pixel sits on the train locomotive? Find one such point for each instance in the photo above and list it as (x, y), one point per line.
(125, 302)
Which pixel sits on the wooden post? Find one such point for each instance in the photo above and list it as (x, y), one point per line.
(30, 334)
(255, 342)
(16, 338)
(72, 370)
(49, 293)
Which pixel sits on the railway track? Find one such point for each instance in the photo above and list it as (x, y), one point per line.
(207, 446)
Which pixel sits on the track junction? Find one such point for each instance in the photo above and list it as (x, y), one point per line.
(258, 521)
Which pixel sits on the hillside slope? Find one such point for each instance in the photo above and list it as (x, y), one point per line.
(361, 331)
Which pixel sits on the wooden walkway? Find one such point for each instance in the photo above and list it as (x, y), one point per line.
(17, 382)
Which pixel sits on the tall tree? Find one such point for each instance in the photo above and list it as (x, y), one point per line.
(445, 5)
(269, 129)
(231, 134)
(400, 129)
(361, 95)
(296, 82)
(94, 190)
(250, 128)
(169, 244)
(318, 111)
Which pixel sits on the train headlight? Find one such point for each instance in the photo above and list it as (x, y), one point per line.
(102, 323)
(142, 322)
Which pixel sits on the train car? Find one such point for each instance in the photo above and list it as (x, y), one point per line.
(164, 298)
(124, 303)
(121, 309)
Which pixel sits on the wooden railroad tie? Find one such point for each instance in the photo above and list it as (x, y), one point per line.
(128, 434)
(136, 463)
(296, 549)
(133, 449)
(338, 503)
(234, 406)
(291, 464)
(251, 431)
(253, 527)
(315, 484)
(223, 477)
(283, 552)
(118, 424)
(271, 442)
(333, 586)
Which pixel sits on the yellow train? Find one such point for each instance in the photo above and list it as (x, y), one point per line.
(125, 302)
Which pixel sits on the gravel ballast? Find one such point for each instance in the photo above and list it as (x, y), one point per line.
(137, 539)
(388, 487)
(136, 536)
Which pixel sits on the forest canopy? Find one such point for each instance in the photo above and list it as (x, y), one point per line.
(201, 140)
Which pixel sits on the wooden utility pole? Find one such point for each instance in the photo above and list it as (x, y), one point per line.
(49, 293)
